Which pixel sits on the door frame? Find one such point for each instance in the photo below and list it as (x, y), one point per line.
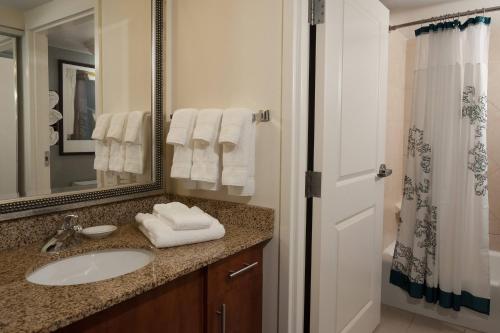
(295, 80)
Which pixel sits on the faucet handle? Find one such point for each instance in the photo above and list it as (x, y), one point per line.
(67, 221)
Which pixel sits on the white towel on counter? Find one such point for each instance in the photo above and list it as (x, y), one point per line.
(134, 143)
(102, 145)
(161, 235)
(238, 155)
(180, 217)
(180, 135)
(206, 155)
(115, 135)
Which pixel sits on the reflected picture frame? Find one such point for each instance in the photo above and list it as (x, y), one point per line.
(77, 106)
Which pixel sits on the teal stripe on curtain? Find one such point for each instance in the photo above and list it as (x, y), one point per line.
(435, 295)
(452, 25)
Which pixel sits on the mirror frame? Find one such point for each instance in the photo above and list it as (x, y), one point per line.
(29, 206)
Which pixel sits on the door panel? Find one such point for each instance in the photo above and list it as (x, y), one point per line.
(350, 96)
(360, 90)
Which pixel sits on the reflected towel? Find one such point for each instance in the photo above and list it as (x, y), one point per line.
(134, 143)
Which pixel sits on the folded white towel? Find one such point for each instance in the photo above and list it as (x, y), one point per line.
(180, 217)
(115, 135)
(161, 235)
(101, 160)
(134, 143)
(233, 120)
(206, 155)
(249, 188)
(101, 126)
(182, 132)
(239, 159)
(181, 127)
(117, 126)
(102, 146)
(117, 156)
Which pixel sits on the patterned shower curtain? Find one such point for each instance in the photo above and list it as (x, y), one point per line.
(442, 250)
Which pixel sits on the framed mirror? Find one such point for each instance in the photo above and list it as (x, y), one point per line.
(81, 103)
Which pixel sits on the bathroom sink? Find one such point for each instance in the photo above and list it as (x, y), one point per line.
(91, 267)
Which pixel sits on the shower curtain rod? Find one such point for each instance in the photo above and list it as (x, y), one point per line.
(444, 17)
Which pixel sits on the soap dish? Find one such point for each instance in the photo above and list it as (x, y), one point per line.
(99, 231)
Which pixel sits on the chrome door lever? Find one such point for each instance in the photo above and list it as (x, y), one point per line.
(383, 171)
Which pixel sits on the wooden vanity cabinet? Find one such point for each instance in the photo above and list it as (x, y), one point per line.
(225, 297)
(234, 293)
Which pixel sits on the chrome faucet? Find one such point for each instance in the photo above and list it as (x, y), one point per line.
(65, 236)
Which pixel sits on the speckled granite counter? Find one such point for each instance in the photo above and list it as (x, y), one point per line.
(25, 307)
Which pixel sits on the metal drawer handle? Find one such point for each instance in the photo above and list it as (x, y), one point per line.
(243, 270)
(222, 313)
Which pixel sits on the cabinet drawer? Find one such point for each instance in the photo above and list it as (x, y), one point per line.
(234, 293)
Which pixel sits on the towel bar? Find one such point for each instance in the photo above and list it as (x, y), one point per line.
(260, 116)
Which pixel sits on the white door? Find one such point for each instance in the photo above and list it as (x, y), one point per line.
(351, 80)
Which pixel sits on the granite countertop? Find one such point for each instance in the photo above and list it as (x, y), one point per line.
(26, 307)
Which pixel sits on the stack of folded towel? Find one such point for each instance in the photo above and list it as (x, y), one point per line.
(197, 137)
(175, 224)
(119, 142)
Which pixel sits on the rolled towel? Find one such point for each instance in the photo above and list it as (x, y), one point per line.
(180, 135)
(237, 157)
(179, 217)
(134, 143)
(206, 155)
(162, 235)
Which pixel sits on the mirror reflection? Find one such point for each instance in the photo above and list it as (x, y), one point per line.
(75, 95)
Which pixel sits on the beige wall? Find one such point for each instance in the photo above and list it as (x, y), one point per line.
(227, 53)
(12, 18)
(125, 55)
(400, 47)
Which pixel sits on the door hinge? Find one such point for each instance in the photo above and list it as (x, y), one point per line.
(313, 184)
(316, 12)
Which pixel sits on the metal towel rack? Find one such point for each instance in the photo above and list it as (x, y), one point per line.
(260, 116)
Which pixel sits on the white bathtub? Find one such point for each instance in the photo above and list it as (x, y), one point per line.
(396, 297)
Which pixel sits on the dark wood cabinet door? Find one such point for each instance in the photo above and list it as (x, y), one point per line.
(177, 307)
(234, 293)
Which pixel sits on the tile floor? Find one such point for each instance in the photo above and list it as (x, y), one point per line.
(399, 321)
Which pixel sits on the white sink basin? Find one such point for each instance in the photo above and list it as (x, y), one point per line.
(91, 267)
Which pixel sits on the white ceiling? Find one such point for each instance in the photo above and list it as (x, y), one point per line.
(77, 35)
(411, 4)
(22, 5)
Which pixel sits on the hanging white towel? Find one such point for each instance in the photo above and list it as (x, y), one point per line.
(239, 153)
(181, 217)
(162, 235)
(182, 121)
(232, 123)
(206, 155)
(115, 136)
(102, 145)
(180, 135)
(134, 143)
(249, 188)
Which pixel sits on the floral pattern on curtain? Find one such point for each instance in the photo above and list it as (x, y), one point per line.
(442, 251)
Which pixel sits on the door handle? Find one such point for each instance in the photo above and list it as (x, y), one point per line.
(247, 267)
(383, 171)
(222, 313)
